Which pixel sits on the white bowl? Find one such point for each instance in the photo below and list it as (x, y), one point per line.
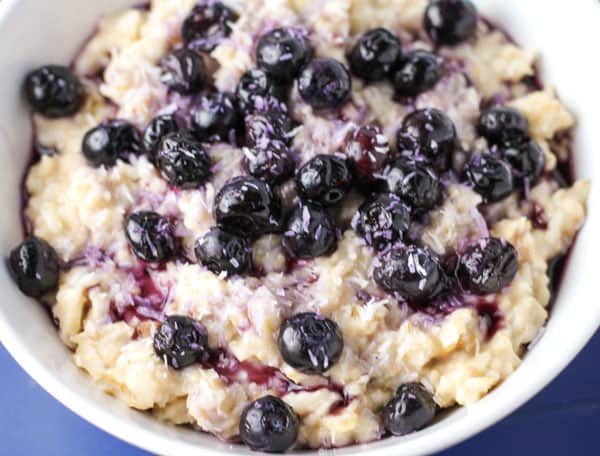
(34, 32)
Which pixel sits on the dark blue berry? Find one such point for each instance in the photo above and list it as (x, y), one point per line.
(216, 118)
(54, 91)
(418, 72)
(450, 22)
(157, 129)
(375, 55)
(325, 84)
(264, 127)
(150, 236)
(181, 341)
(526, 160)
(208, 24)
(411, 409)
(310, 343)
(490, 177)
(109, 141)
(428, 133)
(415, 182)
(488, 266)
(183, 160)
(503, 125)
(257, 91)
(325, 179)
(183, 71)
(34, 266)
(268, 424)
(310, 232)
(271, 163)
(282, 52)
(220, 252)
(367, 150)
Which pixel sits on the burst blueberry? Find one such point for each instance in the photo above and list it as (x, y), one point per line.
(150, 236)
(271, 163)
(183, 71)
(183, 160)
(418, 72)
(411, 409)
(450, 22)
(375, 55)
(181, 341)
(325, 84)
(208, 25)
(282, 52)
(415, 182)
(35, 267)
(221, 251)
(111, 140)
(157, 129)
(367, 150)
(325, 179)
(54, 91)
(310, 232)
(503, 125)
(490, 177)
(216, 118)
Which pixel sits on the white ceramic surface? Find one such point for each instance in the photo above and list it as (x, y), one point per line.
(34, 32)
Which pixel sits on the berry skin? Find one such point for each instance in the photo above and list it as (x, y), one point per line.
(324, 179)
(268, 424)
(382, 220)
(256, 91)
(413, 272)
(310, 232)
(428, 133)
(325, 84)
(490, 177)
(183, 71)
(375, 55)
(150, 237)
(488, 266)
(181, 341)
(34, 266)
(415, 182)
(503, 125)
(208, 24)
(54, 91)
(247, 206)
(109, 141)
(450, 22)
(282, 52)
(411, 409)
(527, 161)
(310, 343)
(264, 127)
(220, 252)
(418, 72)
(157, 129)
(216, 118)
(367, 150)
(271, 163)
(183, 161)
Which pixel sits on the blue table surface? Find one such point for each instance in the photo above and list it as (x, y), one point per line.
(563, 419)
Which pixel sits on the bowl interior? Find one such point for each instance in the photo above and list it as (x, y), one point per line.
(567, 48)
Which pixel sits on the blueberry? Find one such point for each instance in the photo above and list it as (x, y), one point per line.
(183, 71)
(382, 220)
(220, 252)
(157, 129)
(413, 272)
(150, 236)
(490, 177)
(54, 91)
(325, 179)
(415, 182)
(527, 161)
(256, 91)
(216, 118)
(428, 133)
(325, 83)
(183, 160)
(367, 150)
(208, 24)
(109, 141)
(411, 409)
(268, 424)
(247, 206)
(375, 55)
(488, 266)
(271, 163)
(181, 341)
(262, 128)
(34, 266)
(310, 343)
(418, 72)
(282, 52)
(310, 232)
(503, 125)
(450, 22)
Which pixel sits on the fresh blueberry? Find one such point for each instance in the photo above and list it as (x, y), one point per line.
(216, 118)
(271, 163)
(54, 91)
(325, 83)
(428, 133)
(367, 150)
(157, 129)
(325, 179)
(264, 127)
(490, 177)
(415, 182)
(375, 55)
(183, 160)
(247, 206)
(220, 252)
(150, 236)
(256, 91)
(181, 341)
(34, 266)
(208, 24)
(310, 232)
(109, 141)
(503, 125)
(413, 272)
(450, 22)
(418, 72)
(382, 220)
(488, 266)
(411, 409)
(268, 424)
(282, 52)
(183, 71)
(527, 161)
(310, 343)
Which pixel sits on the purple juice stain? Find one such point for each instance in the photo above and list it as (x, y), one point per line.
(537, 217)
